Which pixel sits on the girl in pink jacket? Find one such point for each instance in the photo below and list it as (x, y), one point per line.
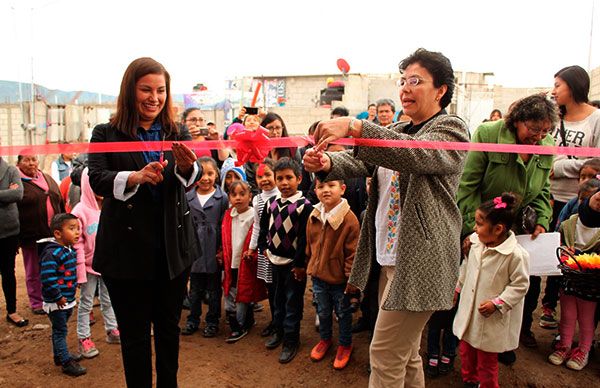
(88, 213)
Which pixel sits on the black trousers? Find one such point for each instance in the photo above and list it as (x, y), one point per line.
(551, 292)
(8, 251)
(289, 302)
(138, 304)
(369, 305)
(271, 296)
(530, 303)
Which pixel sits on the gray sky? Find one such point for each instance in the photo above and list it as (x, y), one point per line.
(87, 44)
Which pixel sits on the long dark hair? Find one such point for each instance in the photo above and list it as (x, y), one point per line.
(578, 81)
(126, 119)
(281, 152)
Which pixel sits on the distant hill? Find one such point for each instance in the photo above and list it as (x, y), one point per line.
(9, 94)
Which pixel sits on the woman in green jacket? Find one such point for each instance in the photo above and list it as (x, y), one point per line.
(489, 174)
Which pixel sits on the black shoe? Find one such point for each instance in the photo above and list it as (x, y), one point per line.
(189, 329)
(275, 340)
(288, 352)
(432, 368)
(446, 365)
(22, 323)
(75, 357)
(38, 311)
(360, 325)
(72, 368)
(507, 358)
(186, 303)
(528, 340)
(236, 336)
(210, 331)
(267, 331)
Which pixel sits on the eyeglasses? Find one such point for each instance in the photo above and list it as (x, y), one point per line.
(411, 81)
(274, 128)
(537, 131)
(195, 120)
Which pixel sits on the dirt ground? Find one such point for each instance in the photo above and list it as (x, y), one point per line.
(26, 359)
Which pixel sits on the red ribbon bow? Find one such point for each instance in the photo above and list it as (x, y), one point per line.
(252, 146)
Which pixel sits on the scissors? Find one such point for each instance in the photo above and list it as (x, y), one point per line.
(161, 158)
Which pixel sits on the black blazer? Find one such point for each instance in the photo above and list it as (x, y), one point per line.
(126, 246)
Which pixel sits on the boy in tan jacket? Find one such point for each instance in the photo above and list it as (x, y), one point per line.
(331, 238)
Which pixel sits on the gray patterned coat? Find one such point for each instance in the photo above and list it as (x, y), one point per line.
(430, 223)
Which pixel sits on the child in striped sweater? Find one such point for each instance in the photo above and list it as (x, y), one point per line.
(59, 283)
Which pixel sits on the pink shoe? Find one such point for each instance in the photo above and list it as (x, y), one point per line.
(113, 336)
(87, 348)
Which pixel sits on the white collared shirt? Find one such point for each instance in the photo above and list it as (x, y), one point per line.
(240, 225)
(326, 216)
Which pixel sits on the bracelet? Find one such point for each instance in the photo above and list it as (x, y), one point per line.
(351, 125)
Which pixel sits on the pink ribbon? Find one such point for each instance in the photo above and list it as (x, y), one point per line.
(296, 141)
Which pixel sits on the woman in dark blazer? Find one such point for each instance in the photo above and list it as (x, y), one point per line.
(145, 243)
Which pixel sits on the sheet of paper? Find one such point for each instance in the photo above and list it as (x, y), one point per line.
(542, 253)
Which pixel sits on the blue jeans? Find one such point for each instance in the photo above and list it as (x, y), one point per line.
(331, 297)
(200, 285)
(441, 321)
(289, 302)
(59, 319)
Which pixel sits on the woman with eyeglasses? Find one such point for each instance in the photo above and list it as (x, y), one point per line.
(195, 122)
(276, 127)
(412, 224)
(488, 174)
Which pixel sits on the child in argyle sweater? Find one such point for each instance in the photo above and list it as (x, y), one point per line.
(282, 240)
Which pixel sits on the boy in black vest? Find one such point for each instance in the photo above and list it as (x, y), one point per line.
(282, 239)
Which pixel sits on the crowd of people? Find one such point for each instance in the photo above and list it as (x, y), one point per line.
(413, 237)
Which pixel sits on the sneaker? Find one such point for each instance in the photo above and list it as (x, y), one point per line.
(87, 348)
(578, 359)
(320, 350)
(236, 336)
(432, 367)
(288, 352)
(555, 342)
(189, 329)
(210, 331)
(528, 340)
(113, 336)
(258, 307)
(559, 355)
(72, 368)
(548, 318)
(92, 319)
(446, 365)
(342, 357)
